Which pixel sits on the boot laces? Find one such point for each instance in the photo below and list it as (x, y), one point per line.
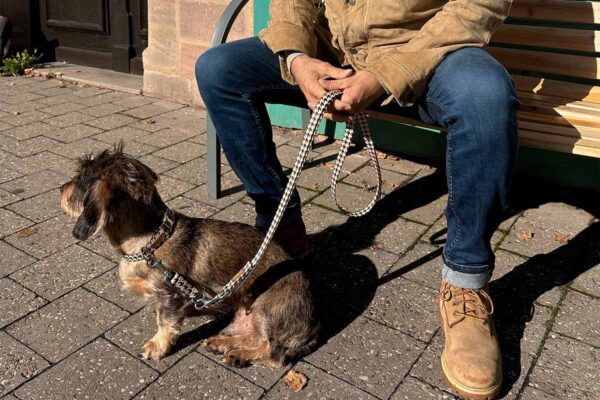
(468, 303)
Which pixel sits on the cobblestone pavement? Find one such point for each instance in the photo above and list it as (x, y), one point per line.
(67, 332)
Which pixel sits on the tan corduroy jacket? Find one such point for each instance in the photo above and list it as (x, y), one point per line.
(400, 41)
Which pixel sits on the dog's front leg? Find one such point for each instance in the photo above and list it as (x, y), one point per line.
(169, 320)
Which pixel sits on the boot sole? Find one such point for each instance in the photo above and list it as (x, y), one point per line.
(466, 391)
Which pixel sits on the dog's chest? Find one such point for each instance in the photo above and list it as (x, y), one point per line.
(138, 279)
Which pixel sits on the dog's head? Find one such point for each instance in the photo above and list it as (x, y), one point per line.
(104, 182)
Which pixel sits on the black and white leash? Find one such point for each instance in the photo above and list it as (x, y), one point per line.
(199, 300)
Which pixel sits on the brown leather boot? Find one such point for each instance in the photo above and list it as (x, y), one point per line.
(293, 239)
(471, 360)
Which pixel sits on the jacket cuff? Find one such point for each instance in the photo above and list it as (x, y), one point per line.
(398, 80)
(287, 37)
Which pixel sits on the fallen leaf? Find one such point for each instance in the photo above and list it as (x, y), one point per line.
(149, 121)
(296, 381)
(561, 238)
(375, 247)
(525, 235)
(23, 233)
(315, 186)
(15, 112)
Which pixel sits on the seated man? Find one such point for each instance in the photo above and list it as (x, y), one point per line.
(420, 56)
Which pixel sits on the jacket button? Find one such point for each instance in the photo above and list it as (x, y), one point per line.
(351, 2)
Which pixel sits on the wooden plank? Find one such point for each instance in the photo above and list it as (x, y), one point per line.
(549, 37)
(573, 115)
(570, 131)
(542, 137)
(566, 90)
(550, 101)
(551, 63)
(565, 145)
(580, 12)
(562, 148)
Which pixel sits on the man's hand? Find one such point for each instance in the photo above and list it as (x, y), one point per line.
(360, 90)
(309, 73)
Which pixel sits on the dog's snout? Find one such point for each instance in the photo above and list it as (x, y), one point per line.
(62, 188)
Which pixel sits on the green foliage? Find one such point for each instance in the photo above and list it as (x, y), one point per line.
(17, 64)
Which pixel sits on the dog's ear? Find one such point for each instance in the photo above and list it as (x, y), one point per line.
(138, 180)
(94, 214)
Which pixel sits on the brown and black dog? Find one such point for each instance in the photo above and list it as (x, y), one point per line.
(274, 319)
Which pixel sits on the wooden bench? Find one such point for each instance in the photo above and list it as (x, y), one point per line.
(551, 48)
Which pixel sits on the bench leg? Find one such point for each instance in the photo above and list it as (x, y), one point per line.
(213, 172)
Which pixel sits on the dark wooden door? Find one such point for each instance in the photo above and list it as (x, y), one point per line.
(107, 34)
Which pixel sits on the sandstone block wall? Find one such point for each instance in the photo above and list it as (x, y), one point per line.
(178, 32)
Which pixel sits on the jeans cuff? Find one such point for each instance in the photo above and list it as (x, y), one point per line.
(465, 280)
(290, 216)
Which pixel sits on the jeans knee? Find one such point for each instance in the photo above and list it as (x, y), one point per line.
(211, 68)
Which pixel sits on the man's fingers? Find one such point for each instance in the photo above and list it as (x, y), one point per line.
(338, 73)
(335, 84)
(337, 117)
(341, 106)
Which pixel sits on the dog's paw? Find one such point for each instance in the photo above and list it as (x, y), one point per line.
(152, 351)
(212, 345)
(233, 360)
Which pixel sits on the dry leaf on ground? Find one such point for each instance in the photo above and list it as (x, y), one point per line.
(23, 233)
(525, 235)
(561, 238)
(149, 121)
(296, 381)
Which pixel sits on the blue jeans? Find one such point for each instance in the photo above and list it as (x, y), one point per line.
(470, 94)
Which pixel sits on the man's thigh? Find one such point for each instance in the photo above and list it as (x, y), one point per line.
(246, 68)
(466, 76)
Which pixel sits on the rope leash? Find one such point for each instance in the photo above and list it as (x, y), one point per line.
(227, 290)
(165, 230)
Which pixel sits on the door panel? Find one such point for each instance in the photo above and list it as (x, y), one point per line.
(100, 33)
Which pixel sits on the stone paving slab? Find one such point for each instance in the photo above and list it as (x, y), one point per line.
(372, 357)
(320, 384)
(197, 376)
(17, 363)
(63, 326)
(567, 369)
(62, 271)
(98, 371)
(16, 301)
(68, 331)
(12, 259)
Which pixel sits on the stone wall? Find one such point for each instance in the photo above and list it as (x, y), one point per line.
(178, 32)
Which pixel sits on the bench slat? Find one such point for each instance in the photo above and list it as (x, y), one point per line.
(566, 90)
(544, 62)
(581, 12)
(549, 37)
(552, 102)
(570, 131)
(549, 142)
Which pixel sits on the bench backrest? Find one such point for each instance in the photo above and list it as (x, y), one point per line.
(551, 47)
(558, 39)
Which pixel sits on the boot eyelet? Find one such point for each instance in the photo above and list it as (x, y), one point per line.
(454, 304)
(454, 314)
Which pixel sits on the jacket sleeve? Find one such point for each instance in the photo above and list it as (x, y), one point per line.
(291, 29)
(404, 70)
